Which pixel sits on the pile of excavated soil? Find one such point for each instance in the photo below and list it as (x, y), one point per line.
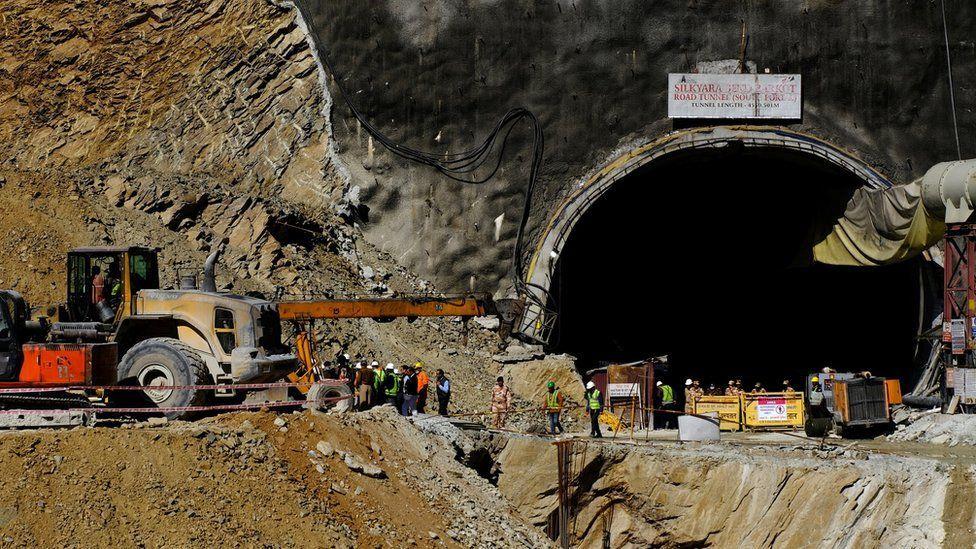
(936, 428)
(254, 479)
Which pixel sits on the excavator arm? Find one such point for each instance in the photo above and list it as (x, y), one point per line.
(386, 309)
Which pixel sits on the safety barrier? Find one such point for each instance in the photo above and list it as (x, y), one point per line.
(772, 411)
(729, 410)
(755, 411)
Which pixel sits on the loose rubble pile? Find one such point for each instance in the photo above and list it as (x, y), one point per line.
(295, 480)
(935, 428)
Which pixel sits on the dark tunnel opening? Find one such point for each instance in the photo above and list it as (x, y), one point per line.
(706, 257)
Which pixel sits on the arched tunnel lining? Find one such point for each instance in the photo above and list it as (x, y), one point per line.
(705, 255)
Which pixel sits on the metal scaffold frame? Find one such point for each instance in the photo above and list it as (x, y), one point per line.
(959, 312)
(960, 260)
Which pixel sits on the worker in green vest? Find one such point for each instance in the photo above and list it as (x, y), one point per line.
(665, 396)
(379, 385)
(553, 407)
(594, 405)
(391, 384)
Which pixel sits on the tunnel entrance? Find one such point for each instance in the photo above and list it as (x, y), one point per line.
(705, 255)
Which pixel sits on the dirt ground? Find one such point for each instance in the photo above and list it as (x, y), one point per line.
(243, 480)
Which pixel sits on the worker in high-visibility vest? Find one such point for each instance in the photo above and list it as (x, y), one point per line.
(391, 384)
(553, 407)
(594, 405)
(666, 398)
(379, 383)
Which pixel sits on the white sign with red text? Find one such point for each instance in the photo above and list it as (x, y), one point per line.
(771, 409)
(734, 96)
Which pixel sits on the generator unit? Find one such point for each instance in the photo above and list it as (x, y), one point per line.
(849, 404)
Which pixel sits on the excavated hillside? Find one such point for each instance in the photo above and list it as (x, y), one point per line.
(176, 124)
(180, 125)
(778, 494)
(185, 124)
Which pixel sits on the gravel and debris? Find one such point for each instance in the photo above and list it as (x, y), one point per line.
(936, 428)
(238, 480)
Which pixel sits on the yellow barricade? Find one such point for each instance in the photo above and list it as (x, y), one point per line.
(729, 410)
(611, 421)
(771, 411)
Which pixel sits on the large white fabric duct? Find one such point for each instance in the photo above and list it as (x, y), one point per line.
(884, 226)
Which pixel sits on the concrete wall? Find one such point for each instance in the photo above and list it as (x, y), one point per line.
(595, 71)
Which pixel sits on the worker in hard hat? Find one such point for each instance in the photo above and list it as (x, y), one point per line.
(594, 405)
(423, 382)
(665, 398)
(787, 387)
(553, 406)
(692, 394)
(357, 375)
(398, 374)
(816, 392)
(390, 384)
(730, 390)
(379, 383)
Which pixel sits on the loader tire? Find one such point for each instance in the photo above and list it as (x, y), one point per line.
(164, 361)
(340, 392)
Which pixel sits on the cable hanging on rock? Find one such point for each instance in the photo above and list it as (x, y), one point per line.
(459, 166)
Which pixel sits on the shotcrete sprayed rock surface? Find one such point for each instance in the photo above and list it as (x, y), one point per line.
(437, 74)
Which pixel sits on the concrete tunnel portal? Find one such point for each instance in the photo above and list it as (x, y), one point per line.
(704, 254)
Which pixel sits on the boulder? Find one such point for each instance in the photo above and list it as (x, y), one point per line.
(528, 379)
(368, 469)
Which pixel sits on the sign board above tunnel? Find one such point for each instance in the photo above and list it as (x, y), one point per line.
(734, 96)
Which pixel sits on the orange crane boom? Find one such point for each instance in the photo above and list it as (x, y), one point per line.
(308, 311)
(387, 308)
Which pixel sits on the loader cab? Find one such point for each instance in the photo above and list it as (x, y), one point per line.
(103, 280)
(13, 317)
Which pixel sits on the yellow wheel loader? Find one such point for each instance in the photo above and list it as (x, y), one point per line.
(118, 327)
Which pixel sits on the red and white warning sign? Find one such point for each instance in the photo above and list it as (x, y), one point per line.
(771, 409)
(734, 96)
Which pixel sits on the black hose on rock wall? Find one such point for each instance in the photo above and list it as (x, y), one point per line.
(458, 166)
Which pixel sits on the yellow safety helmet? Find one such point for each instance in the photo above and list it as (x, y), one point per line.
(815, 379)
(418, 364)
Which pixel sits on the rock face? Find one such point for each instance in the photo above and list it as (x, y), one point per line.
(726, 498)
(595, 72)
(528, 379)
(207, 117)
(226, 88)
